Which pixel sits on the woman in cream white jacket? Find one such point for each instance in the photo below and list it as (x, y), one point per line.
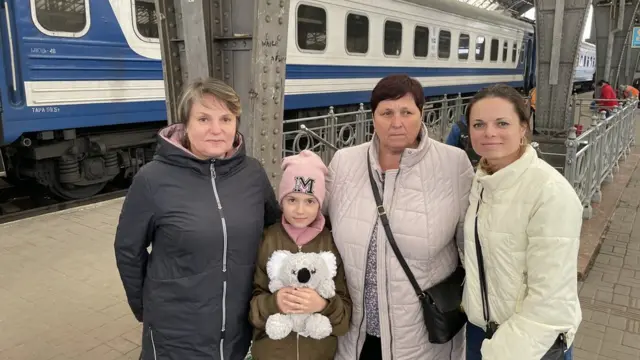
(528, 226)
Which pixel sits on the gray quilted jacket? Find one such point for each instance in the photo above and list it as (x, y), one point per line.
(426, 200)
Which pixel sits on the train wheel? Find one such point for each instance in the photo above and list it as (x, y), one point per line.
(72, 192)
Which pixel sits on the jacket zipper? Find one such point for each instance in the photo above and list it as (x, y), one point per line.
(224, 259)
(153, 344)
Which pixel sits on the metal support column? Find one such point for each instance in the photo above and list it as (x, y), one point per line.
(559, 26)
(244, 43)
(613, 24)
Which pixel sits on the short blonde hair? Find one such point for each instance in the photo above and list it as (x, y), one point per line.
(196, 90)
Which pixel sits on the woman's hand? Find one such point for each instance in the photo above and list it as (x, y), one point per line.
(300, 301)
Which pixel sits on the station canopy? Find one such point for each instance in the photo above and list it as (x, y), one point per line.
(514, 7)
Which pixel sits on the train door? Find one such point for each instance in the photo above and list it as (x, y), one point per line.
(11, 86)
(529, 65)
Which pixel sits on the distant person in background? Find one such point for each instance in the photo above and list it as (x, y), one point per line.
(608, 99)
(202, 205)
(459, 137)
(628, 91)
(532, 117)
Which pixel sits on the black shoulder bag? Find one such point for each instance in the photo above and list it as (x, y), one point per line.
(443, 315)
(557, 349)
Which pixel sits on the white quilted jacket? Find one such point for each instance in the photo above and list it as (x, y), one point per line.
(529, 227)
(426, 201)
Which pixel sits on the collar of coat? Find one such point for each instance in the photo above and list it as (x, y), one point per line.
(171, 151)
(410, 157)
(509, 175)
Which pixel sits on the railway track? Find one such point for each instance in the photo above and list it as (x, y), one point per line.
(26, 206)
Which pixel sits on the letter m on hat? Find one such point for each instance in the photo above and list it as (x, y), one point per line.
(303, 185)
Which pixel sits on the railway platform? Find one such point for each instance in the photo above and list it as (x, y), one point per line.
(61, 296)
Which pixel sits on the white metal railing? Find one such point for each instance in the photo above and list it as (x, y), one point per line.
(326, 133)
(593, 156)
(588, 158)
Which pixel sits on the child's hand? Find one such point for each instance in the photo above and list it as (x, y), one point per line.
(286, 300)
(308, 301)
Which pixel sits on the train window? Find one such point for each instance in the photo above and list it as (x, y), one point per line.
(463, 47)
(421, 41)
(480, 46)
(522, 54)
(493, 56)
(444, 44)
(61, 16)
(392, 38)
(146, 20)
(312, 28)
(357, 34)
(505, 48)
(514, 52)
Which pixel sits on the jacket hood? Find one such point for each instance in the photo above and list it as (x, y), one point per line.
(171, 151)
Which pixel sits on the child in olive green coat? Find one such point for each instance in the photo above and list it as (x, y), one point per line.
(302, 229)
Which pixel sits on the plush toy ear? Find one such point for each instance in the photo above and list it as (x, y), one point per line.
(275, 263)
(330, 260)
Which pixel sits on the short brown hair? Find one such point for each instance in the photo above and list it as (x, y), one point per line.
(196, 90)
(395, 86)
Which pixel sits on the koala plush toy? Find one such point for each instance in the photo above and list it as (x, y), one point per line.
(301, 270)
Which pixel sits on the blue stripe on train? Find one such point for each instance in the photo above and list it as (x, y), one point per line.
(92, 67)
(304, 101)
(295, 71)
(80, 116)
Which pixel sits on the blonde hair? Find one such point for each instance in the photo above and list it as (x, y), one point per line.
(195, 92)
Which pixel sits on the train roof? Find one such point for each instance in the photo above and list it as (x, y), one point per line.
(470, 11)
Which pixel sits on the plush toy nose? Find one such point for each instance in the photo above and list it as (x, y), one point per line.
(304, 275)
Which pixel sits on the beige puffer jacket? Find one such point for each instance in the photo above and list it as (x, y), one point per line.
(426, 200)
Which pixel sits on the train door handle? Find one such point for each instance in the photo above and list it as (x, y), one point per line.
(10, 38)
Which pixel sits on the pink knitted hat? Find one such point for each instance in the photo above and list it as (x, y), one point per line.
(303, 173)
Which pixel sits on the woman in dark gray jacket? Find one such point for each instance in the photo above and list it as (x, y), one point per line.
(201, 204)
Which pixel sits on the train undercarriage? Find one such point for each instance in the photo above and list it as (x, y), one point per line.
(76, 164)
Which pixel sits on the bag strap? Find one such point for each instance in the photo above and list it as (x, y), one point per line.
(385, 223)
(483, 279)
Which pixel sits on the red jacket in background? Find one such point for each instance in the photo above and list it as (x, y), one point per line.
(606, 92)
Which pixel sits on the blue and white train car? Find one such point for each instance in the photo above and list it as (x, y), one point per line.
(339, 49)
(583, 79)
(82, 92)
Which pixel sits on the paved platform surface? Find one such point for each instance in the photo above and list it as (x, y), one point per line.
(61, 296)
(60, 293)
(610, 296)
